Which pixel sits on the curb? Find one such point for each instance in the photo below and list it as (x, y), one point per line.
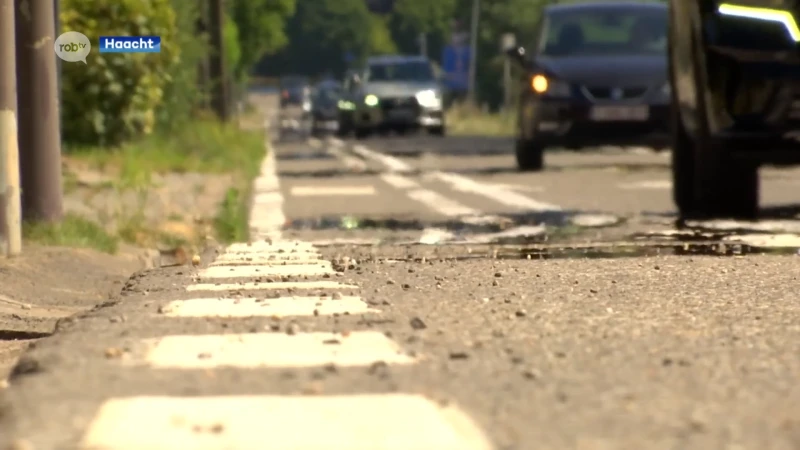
(266, 217)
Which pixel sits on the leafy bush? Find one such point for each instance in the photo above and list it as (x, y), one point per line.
(116, 95)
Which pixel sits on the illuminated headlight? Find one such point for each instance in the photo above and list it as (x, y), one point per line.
(550, 87)
(371, 100)
(345, 105)
(306, 106)
(779, 16)
(429, 99)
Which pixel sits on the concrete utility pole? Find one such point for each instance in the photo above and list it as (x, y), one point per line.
(39, 121)
(473, 56)
(10, 209)
(220, 98)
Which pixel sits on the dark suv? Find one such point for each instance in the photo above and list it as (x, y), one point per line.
(735, 71)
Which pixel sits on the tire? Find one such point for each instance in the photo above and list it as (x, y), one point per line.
(707, 182)
(362, 133)
(440, 131)
(530, 156)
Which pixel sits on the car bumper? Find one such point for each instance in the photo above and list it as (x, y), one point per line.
(401, 117)
(568, 124)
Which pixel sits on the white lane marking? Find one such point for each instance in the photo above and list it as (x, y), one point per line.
(331, 422)
(273, 258)
(250, 261)
(498, 194)
(461, 183)
(269, 307)
(277, 350)
(255, 307)
(266, 246)
(399, 182)
(652, 184)
(246, 271)
(268, 286)
(766, 240)
(350, 162)
(440, 203)
(326, 191)
(266, 208)
(391, 163)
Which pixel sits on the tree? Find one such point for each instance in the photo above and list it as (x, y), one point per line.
(260, 25)
(410, 18)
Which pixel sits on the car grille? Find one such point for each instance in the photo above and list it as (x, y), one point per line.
(399, 102)
(607, 93)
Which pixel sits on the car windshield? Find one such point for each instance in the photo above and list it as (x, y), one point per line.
(606, 31)
(404, 71)
(327, 93)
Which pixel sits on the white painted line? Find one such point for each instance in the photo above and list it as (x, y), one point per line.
(498, 194)
(266, 209)
(766, 240)
(254, 307)
(268, 286)
(652, 184)
(391, 163)
(267, 247)
(267, 198)
(399, 182)
(460, 183)
(247, 271)
(325, 191)
(269, 262)
(268, 258)
(350, 162)
(441, 204)
(277, 350)
(342, 422)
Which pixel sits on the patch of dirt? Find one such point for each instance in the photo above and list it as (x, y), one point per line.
(46, 284)
(181, 205)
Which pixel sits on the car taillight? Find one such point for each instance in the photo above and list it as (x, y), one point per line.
(285, 94)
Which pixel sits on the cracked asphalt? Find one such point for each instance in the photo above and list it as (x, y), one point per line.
(558, 310)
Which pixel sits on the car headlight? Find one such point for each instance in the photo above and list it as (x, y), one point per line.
(342, 104)
(429, 99)
(371, 100)
(550, 87)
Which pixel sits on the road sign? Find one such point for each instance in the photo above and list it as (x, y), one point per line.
(455, 65)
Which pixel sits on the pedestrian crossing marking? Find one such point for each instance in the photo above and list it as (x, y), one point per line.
(269, 307)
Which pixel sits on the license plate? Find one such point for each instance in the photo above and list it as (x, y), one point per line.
(401, 113)
(620, 113)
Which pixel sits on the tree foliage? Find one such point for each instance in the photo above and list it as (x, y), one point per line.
(115, 96)
(261, 29)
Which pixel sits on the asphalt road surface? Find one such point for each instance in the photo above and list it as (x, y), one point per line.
(420, 293)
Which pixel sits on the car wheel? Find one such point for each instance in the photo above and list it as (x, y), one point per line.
(530, 155)
(707, 181)
(362, 132)
(438, 131)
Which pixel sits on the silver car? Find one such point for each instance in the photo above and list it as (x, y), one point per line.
(392, 93)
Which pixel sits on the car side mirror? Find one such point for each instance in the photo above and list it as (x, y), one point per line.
(518, 55)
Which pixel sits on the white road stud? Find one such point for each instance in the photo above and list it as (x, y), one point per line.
(259, 307)
(264, 271)
(271, 349)
(345, 422)
(268, 286)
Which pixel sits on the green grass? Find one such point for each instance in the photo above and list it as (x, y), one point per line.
(205, 146)
(72, 231)
(466, 120)
(230, 224)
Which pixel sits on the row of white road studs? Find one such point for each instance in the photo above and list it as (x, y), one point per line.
(255, 422)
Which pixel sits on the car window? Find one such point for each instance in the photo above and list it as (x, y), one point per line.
(608, 32)
(404, 71)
